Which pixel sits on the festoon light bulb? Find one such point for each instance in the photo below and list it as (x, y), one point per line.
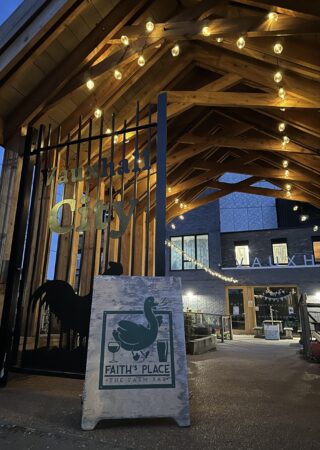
(241, 42)
(277, 77)
(117, 74)
(141, 61)
(278, 48)
(175, 50)
(281, 127)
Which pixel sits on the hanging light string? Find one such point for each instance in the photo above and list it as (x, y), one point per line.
(207, 269)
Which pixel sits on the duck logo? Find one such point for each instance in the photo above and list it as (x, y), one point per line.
(137, 348)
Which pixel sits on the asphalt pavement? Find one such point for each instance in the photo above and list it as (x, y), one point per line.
(248, 394)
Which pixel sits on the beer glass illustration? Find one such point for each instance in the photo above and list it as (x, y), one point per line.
(162, 348)
(113, 348)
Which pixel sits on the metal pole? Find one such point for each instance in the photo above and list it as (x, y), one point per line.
(160, 248)
(16, 257)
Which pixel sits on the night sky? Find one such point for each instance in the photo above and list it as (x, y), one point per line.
(7, 7)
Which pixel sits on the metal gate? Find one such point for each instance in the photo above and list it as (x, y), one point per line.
(89, 203)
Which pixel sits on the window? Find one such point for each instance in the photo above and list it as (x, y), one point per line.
(316, 248)
(242, 253)
(279, 251)
(195, 246)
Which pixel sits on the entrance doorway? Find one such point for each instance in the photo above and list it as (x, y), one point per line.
(236, 308)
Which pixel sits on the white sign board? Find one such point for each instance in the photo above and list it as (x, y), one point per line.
(271, 332)
(136, 364)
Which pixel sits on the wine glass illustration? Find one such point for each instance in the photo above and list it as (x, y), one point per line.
(113, 347)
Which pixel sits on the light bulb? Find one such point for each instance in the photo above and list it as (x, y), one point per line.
(219, 39)
(277, 77)
(184, 206)
(115, 138)
(282, 109)
(108, 131)
(304, 217)
(288, 187)
(285, 140)
(173, 226)
(117, 74)
(285, 163)
(278, 48)
(181, 217)
(282, 93)
(97, 113)
(169, 189)
(149, 26)
(286, 173)
(288, 193)
(315, 228)
(124, 40)
(176, 200)
(181, 205)
(281, 127)
(175, 50)
(241, 42)
(141, 61)
(205, 31)
(273, 16)
(295, 208)
(90, 84)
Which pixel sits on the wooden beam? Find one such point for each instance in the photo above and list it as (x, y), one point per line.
(257, 72)
(243, 100)
(307, 10)
(253, 26)
(82, 54)
(244, 142)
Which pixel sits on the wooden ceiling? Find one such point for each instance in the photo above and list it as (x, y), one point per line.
(224, 108)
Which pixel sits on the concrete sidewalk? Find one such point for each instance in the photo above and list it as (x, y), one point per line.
(249, 394)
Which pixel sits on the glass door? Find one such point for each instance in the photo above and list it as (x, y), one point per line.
(236, 308)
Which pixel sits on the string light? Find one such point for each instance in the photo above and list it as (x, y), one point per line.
(149, 26)
(108, 131)
(90, 84)
(176, 200)
(282, 109)
(181, 205)
(97, 113)
(200, 265)
(304, 217)
(117, 74)
(181, 217)
(281, 127)
(286, 173)
(282, 93)
(115, 138)
(173, 226)
(285, 163)
(219, 39)
(278, 48)
(285, 140)
(141, 61)
(241, 42)
(205, 31)
(277, 77)
(288, 187)
(315, 228)
(175, 50)
(273, 16)
(295, 208)
(169, 189)
(124, 40)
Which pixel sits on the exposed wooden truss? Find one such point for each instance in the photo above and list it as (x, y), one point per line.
(223, 109)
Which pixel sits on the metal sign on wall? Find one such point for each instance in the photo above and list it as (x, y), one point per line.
(136, 365)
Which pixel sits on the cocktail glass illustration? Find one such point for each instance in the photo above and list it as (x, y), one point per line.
(162, 348)
(113, 348)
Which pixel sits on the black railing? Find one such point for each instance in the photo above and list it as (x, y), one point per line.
(201, 324)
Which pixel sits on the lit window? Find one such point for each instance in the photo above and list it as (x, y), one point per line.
(242, 253)
(195, 246)
(280, 251)
(316, 249)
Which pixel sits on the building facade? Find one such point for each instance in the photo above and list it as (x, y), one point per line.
(272, 266)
